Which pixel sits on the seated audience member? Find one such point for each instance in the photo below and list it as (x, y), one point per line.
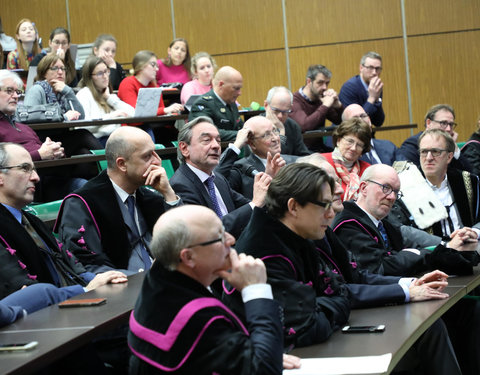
(381, 150)
(59, 44)
(440, 116)
(199, 153)
(220, 103)
(105, 47)
(97, 99)
(33, 254)
(471, 150)
(457, 190)
(176, 67)
(351, 140)
(300, 272)
(192, 249)
(366, 89)
(264, 142)
(108, 223)
(277, 107)
(315, 103)
(30, 299)
(27, 46)
(379, 247)
(145, 67)
(203, 68)
(56, 182)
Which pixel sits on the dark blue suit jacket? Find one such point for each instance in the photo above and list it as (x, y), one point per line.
(353, 92)
(192, 191)
(387, 152)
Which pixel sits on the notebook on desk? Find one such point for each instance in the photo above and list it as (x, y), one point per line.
(191, 100)
(148, 100)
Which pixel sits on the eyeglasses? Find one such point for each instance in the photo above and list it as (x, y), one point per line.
(206, 243)
(153, 64)
(282, 111)
(350, 142)
(446, 124)
(10, 91)
(58, 68)
(362, 115)
(24, 167)
(387, 189)
(370, 68)
(60, 43)
(325, 205)
(435, 152)
(269, 134)
(102, 73)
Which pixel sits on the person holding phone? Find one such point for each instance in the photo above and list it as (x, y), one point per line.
(97, 99)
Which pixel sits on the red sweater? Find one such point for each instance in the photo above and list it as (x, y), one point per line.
(128, 92)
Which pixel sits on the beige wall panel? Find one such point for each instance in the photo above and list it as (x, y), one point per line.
(432, 16)
(47, 14)
(319, 22)
(229, 26)
(137, 25)
(260, 70)
(444, 69)
(344, 59)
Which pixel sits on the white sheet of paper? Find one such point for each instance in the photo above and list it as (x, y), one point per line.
(343, 365)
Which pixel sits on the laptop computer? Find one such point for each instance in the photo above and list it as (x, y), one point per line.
(148, 100)
(191, 101)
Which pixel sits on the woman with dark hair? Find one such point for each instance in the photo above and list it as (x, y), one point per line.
(176, 67)
(351, 140)
(105, 47)
(97, 99)
(27, 46)
(59, 44)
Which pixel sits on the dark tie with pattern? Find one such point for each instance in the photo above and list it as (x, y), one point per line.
(131, 211)
(211, 191)
(383, 232)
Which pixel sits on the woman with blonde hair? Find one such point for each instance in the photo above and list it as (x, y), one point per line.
(27, 46)
(203, 68)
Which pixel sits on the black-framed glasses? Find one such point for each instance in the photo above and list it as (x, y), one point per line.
(269, 134)
(206, 243)
(282, 111)
(325, 205)
(24, 167)
(378, 69)
(102, 73)
(387, 189)
(445, 124)
(58, 68)
(436, 152)
(362, 115)
(10, 91)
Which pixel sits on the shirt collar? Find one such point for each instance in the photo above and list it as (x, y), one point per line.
(364, 84)
(443, 185)
(300, 91)
(374, 219)
(219, 98)
(121, 193)
(15, 212)
(199, 173)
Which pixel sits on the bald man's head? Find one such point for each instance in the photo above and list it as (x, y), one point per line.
(228, 83)
(356, 111)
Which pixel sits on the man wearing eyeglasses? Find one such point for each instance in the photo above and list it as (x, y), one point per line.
(263, 138)
(366, 89)
(278, 105)
(457, 190)
(440, 116)
(179, 326)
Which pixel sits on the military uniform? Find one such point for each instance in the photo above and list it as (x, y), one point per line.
(225, 116)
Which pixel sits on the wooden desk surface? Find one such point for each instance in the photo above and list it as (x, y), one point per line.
(61, 331)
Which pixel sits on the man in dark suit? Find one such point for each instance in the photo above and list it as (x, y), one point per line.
(366, 89)
(382, 150)
(220, 103)
(440, 116)
(264, 141)
(199, 152)
(108, 222)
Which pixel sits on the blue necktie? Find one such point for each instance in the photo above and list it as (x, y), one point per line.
(211, 191)
(383, 232)
(144, 252)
